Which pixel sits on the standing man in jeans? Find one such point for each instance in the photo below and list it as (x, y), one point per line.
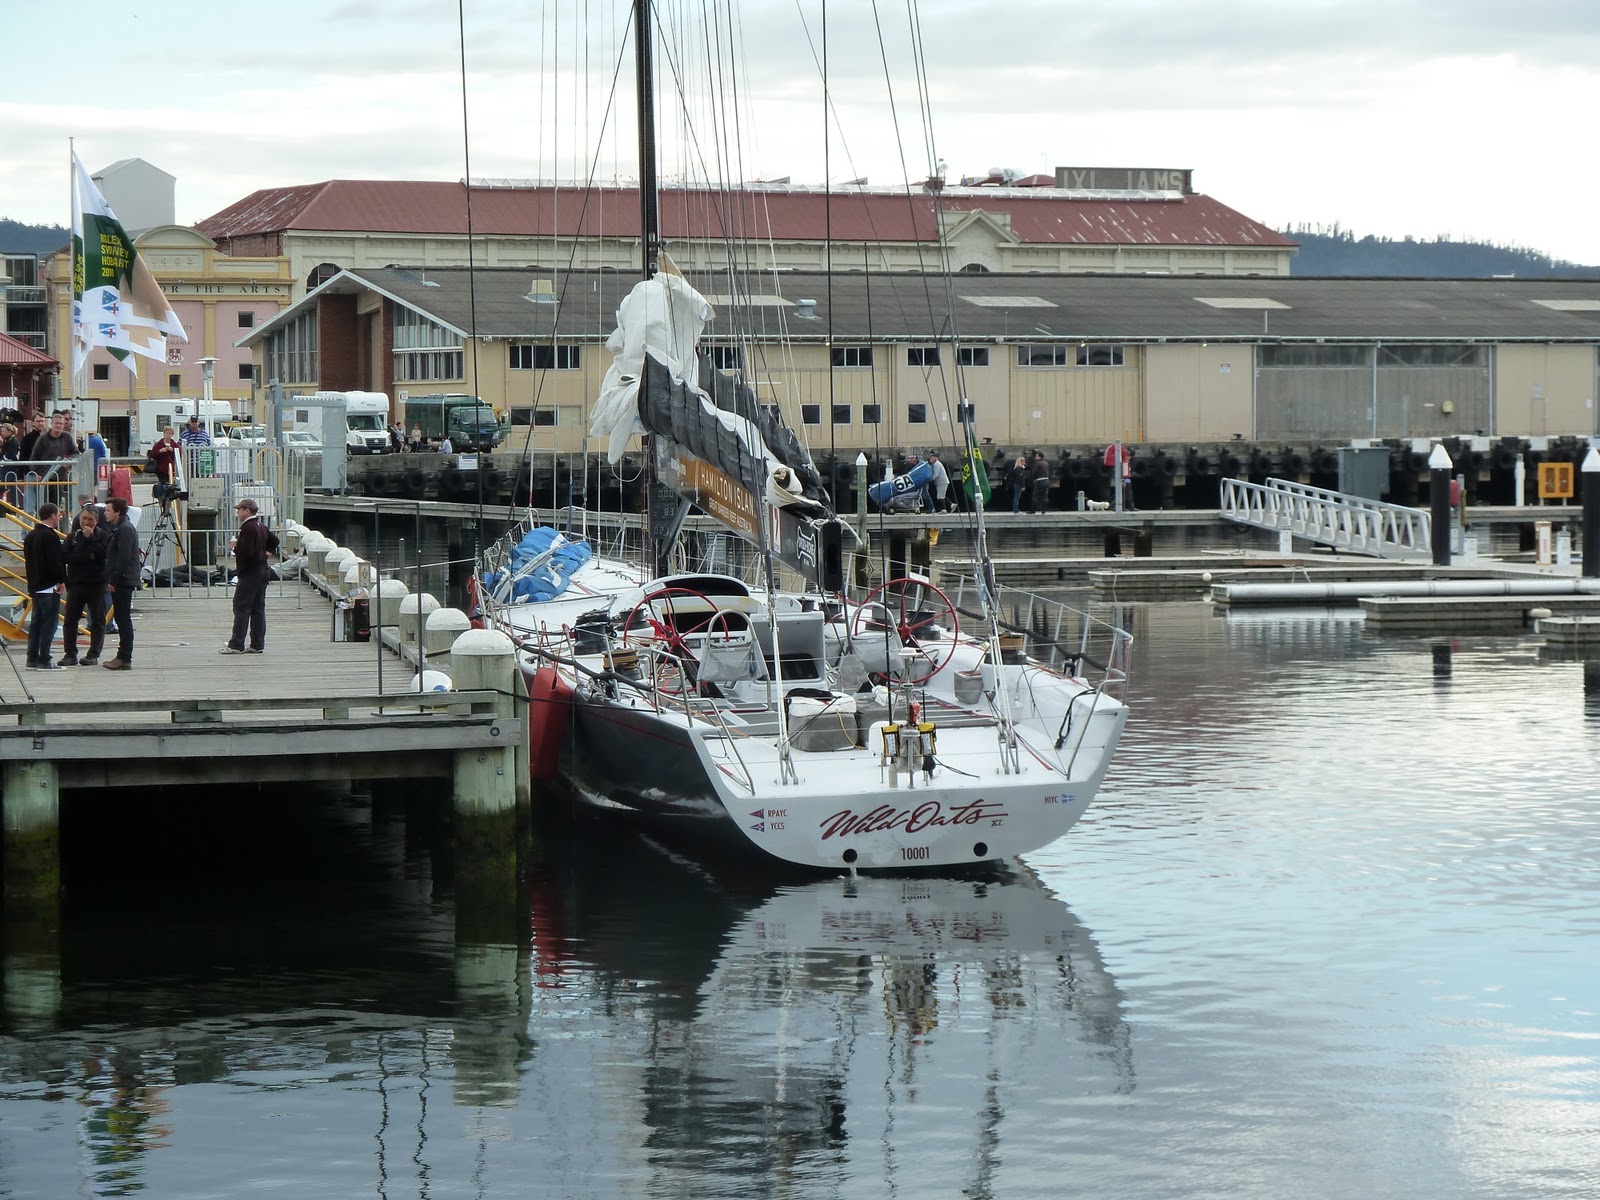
(122, 576)
(47, 580)
(251, 549)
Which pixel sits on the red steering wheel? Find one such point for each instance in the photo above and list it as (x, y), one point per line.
(913, 607)
(673, 670)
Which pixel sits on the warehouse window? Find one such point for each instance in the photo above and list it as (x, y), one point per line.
(1038, 355)
(1092, 354)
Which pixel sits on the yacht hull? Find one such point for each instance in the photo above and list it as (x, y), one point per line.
(688, 784)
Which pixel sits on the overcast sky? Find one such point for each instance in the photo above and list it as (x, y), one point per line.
(1467, 118)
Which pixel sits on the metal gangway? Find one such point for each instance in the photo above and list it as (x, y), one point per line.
(1351, 523)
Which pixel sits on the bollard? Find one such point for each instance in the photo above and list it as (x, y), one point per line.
(360, 573)
(429, 681)
(1590, 492)
(414, 610)
(483, 791)
(334, 564)
(386, 602)
(317, 548)
(1439, 501)
(441, 629)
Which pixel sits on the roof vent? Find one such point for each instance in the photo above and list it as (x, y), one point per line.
(805, 310)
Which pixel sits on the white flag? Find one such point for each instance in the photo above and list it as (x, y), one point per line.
(116, 302)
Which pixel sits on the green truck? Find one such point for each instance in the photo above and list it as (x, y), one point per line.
(470, 423)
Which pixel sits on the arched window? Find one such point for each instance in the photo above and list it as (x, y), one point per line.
(320, 274)
(974, 269)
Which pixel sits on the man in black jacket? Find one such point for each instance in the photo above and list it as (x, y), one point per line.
(122, 576)
(47, 579)
(85, 553)
(251, 548)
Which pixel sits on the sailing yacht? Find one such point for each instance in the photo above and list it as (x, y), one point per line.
(784, 719)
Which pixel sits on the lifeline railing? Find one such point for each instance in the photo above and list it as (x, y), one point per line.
(1352, 523)
(1056, 635)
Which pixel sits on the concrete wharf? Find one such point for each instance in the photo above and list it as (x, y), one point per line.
(309, 708)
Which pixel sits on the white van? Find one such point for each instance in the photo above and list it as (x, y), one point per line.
(366, 419)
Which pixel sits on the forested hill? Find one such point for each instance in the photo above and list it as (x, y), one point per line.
(17, 238)
(1339, 252)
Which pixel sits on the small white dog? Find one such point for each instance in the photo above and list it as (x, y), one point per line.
(1097, 505)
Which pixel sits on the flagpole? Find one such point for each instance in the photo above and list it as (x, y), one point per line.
(76, 373)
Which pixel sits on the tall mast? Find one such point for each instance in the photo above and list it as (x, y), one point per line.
(649, 201)
(656, 555)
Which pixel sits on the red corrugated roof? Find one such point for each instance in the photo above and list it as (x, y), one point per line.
(15, 353)
(1037, 215)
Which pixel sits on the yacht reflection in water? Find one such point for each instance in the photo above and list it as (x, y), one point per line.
(779, 1032)
(657, 1031)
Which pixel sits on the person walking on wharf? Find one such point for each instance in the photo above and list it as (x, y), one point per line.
(122, 576)
(252, 546)
(940, 483)
(47, 580)
(85, 553)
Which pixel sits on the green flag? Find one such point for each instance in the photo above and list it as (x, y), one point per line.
(116, 302)
(973, 466)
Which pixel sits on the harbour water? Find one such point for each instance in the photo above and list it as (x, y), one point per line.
(1330, 931)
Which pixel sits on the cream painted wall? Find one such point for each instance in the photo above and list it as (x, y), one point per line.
(1053, 405)
(1544, 390)
(1198, 393)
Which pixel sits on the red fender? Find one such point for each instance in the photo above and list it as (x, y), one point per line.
(549, 712)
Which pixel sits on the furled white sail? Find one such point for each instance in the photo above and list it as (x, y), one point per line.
(664, 315)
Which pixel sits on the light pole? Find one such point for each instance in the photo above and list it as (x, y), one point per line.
(208, 375)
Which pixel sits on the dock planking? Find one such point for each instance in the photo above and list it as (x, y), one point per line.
(177, 635)
(308, 707)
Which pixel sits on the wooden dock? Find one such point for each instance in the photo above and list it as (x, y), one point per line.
(309, 708)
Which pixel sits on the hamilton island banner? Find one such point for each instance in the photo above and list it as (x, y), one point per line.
(116, 302)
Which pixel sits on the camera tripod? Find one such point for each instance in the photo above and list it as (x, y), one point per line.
(164, 535)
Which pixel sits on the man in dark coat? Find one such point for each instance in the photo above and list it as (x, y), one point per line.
(251, 549)
(85, 553)
(1039, 473)
(47, 580)
(122, 577)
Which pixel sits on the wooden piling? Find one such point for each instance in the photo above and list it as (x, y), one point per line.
(484, 785)
(32, 800)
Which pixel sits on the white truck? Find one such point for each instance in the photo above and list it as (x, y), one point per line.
(366, 419)
(157, 413)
